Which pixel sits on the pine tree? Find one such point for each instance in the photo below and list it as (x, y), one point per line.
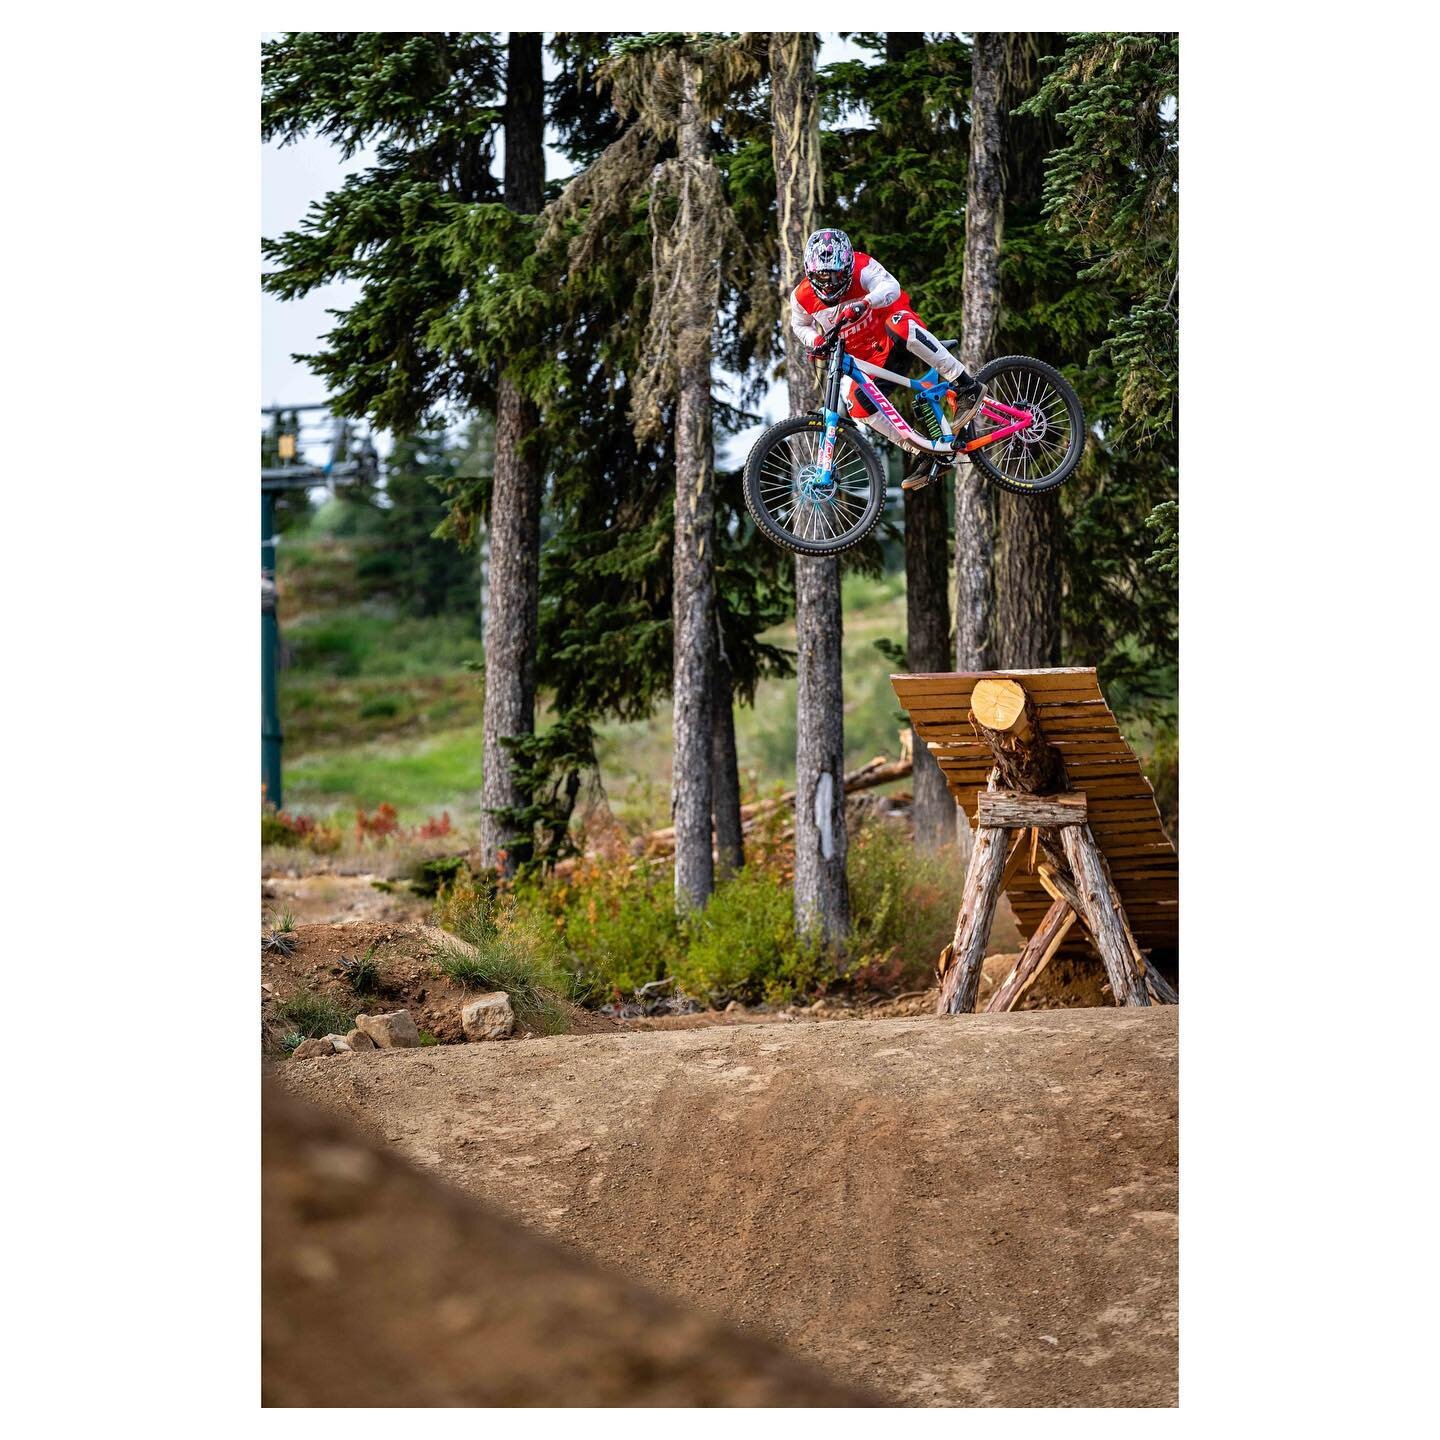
(1029, 528)
(514, 558)
(422, 335)
(927, 547)
(822, 896)
(1110, 219)
(672, 87)
(428, 575)
(984, 223)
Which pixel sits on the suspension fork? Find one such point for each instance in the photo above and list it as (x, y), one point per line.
(833, 372)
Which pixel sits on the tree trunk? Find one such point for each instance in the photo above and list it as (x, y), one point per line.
(1028, 568)
(514, 532)
(1027, 582)
(694, 570)
(980, 325)
(822, 896)
(927, 649)
(725, 765)
(927, 550)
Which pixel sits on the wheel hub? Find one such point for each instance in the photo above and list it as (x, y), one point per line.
(814, 487)
(1034, 432)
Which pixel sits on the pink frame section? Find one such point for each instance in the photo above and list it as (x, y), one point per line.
(992, 410)
(995, 411)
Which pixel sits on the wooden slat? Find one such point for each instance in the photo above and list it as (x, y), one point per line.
(1098, 762)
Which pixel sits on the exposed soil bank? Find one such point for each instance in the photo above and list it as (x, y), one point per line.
(383, 1287)
(975, 1210)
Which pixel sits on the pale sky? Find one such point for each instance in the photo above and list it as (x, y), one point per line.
(291, 179)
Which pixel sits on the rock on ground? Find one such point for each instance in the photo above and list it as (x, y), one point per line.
(968, 1210)
(383, 1287)
(488, 1017)
(389, 1032)
(311, 1049)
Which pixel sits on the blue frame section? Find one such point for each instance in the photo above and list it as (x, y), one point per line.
(930, 387)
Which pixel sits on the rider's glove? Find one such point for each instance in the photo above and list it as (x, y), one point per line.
(853, 311)
(817, 346)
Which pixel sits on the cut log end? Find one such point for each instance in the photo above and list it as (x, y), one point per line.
(1000, 705)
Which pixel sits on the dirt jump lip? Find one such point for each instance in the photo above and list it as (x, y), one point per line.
(976, 1210)
(385, 1287)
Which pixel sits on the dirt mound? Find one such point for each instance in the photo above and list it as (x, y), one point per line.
(383, 1287)
(973, 1211)
(405, 956)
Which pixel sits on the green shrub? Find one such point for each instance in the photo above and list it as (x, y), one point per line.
(430, 876)
(363, 972)
(902, 905)
(312, 1016)
(743, 945)
(504, 947)
(380, 707)
(618, 925)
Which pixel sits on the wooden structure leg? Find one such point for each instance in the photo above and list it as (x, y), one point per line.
(1161, 990)
(1059, 888)
(961, 980)
(1038, 952)
(1104, 916)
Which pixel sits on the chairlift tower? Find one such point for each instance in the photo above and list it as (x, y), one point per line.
(291, 474)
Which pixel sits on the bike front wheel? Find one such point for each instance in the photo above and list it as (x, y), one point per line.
(1044, 455)
(784, 493)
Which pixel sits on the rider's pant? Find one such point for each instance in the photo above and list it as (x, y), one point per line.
(904, 328)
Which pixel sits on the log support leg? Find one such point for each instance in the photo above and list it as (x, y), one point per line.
(1103, 915)
(1058, 887)
(983, 884)
(1039, 950)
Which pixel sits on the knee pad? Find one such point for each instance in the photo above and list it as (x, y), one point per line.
(856, 404)
(898, 322)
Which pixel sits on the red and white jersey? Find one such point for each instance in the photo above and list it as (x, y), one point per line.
(811, 317)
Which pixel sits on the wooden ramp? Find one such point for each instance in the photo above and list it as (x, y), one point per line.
(1098, 762)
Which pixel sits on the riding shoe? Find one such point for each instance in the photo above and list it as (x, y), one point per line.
(963, 400)
(924, 469)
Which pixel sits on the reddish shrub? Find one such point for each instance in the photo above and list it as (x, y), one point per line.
(379, 826)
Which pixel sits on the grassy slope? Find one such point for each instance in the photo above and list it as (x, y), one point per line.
(377, 707)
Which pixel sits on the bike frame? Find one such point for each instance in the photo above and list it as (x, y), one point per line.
(930, 387)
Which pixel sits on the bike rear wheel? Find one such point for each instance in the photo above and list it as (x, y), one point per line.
(783, 494)
(1043, 456)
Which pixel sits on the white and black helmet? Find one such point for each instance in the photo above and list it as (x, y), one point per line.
(829, 259)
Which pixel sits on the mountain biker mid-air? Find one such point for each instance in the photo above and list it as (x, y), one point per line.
(857, 293)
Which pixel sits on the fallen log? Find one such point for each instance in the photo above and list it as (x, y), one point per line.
(1039, 951)
(879, 771)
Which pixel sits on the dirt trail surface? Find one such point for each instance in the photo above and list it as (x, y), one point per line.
(971, 1211)
(383, 1287)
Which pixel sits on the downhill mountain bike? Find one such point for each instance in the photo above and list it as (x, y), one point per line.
(816, 486)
